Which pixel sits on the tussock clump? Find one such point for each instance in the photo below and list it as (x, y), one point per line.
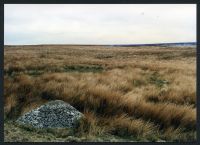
(90, 126)
(171, 95)
(11, 103)
(123, 125)
(165, 114)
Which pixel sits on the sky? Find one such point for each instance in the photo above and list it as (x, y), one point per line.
(99, 23)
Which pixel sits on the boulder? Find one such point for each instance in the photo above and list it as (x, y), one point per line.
(54, 114)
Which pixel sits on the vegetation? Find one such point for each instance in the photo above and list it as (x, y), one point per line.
(125, 93)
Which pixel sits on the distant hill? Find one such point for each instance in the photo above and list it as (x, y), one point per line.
(181, 44)
(161, 44)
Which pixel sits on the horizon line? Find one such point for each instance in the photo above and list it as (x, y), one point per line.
(102, 44)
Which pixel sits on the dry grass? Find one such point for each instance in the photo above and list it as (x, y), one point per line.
(140, 93)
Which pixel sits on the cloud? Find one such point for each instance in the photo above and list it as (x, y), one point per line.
(99, 24)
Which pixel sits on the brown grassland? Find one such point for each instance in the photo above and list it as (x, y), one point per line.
(143, 93)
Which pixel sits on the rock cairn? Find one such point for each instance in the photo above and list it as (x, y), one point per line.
(54, 114)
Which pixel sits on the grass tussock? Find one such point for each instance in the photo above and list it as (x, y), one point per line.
(184, 96)
(123, 125)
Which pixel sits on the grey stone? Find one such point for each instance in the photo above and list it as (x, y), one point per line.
(54, 114)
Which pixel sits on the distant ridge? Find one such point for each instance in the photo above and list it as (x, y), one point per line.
(161, 44)
(116, 45)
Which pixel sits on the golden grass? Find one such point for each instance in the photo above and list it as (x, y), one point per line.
(89, 125)
(132, 92)
(124, 125)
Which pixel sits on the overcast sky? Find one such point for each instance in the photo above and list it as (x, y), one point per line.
(99, 24)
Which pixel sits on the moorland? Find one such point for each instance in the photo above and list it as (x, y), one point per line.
(140, 93)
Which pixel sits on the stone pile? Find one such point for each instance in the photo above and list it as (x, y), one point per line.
(54, 114)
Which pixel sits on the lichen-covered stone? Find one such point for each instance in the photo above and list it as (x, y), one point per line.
(54, 114)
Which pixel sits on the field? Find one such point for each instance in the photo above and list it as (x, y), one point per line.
(145, 93)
